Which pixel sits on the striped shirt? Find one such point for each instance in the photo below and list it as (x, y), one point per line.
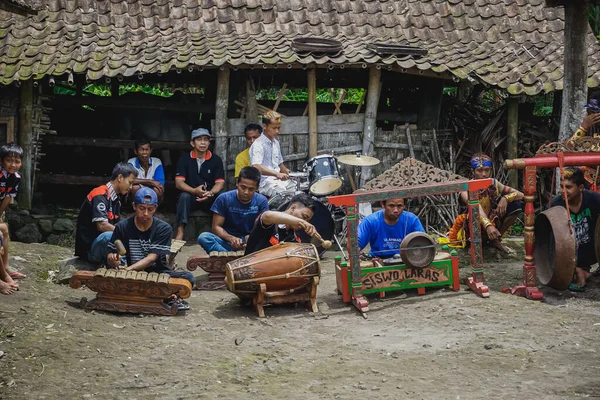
(156, 240)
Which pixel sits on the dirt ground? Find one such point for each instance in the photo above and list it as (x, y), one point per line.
(443, 345)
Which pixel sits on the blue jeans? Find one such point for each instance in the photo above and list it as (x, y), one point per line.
(174, 274)
(211, 242)
(99, 249)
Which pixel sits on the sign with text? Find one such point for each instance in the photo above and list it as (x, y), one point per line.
(403, 277)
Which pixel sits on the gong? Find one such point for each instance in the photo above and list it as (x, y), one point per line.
(417, 250)
(554, 250)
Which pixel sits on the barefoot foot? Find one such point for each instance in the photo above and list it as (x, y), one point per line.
(5, 288)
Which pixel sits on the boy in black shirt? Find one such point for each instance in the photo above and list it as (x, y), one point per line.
(11, 156)
(274, 227)
(100, 212)
(584, 206)
(147, 240)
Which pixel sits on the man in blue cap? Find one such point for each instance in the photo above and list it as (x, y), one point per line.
(146, 238)
(199, 178)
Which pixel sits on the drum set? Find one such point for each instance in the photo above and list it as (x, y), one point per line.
(321, 177)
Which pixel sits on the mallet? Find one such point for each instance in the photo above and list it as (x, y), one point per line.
(120, 247)
(325, 243)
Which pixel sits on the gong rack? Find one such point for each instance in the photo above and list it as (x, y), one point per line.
(528, 288)
(351, 201)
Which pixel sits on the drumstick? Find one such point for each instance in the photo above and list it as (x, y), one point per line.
(325, 243)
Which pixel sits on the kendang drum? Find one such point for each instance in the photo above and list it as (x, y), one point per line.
(554, 251)
(322, 219)
(323, 175)
(284, 269)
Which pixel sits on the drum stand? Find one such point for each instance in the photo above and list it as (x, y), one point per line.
(287, 296)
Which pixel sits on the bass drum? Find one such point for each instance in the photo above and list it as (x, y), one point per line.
(322, 220)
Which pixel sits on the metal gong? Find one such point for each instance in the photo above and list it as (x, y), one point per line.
(417, 250)
(554, 250)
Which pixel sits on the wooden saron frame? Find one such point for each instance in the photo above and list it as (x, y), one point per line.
(351, 201)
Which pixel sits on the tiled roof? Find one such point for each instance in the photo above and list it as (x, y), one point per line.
(514, 44)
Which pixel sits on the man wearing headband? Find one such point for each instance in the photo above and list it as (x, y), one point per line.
(499, 207)
(590, 127)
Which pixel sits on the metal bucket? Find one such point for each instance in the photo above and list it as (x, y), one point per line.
(554, 250)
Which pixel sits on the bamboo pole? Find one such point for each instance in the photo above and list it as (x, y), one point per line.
(221, 105)
(512, 132)
(251, 104)
(312, 112)
(373, 92)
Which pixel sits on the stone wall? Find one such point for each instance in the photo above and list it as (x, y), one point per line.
(29, 228)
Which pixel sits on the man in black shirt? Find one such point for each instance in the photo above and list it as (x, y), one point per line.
(100, 212)
(584, 206)
(274, 227)
(199, 178)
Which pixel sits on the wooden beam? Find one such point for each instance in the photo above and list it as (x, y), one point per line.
(25, 194)
(575, 67)
(112, 143)
(512, 137)
(144, 102)
(221, 105)
(251, 104)
(312, 112)
(280, 96)
(368, 148)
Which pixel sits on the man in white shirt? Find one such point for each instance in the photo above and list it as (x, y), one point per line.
(150, 169)
(265, 154)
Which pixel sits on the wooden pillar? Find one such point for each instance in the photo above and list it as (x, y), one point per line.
(368, 146)
(251, 104)
(25, 194)
(312, 112)
(221, 107)
(512, 132)
(575, 67)
(430, 106)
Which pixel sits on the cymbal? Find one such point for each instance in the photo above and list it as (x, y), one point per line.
(358, 160)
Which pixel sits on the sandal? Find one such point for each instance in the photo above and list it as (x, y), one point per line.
(574, 287)
(13, 273)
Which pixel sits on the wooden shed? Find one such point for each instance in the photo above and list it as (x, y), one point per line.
(215, 55)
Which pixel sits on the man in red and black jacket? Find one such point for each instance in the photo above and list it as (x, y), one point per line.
(199, 178)
(100, 212)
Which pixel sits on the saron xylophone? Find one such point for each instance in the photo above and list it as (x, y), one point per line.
(213, 263)
(131, 291)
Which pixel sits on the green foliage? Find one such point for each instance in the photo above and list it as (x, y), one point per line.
(155, 89)
(353, 95)
(594, 19)
(541, 109)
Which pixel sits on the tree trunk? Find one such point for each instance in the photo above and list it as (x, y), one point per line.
(312, 113)
(575, 67)
(221, 114)
(512, 132)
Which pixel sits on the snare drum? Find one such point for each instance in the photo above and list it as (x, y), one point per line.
(323, 175)
(322, 219)
(286, 267)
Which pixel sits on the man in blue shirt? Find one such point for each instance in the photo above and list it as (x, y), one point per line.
(385, 229)
(150, 169)
(234, 213)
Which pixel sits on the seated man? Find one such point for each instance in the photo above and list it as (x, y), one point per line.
(252, 132)
(499, 207)
(150, 169)
(200, 177)
(265, 154)
(584, 206)
(100, 212)
(385, 229)
(274, 227)
(590, 126)
(234, 213)
(146, 239)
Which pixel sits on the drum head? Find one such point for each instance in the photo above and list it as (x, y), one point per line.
(326, 186)
(322, 219)
(554, 250)
(417, 250)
